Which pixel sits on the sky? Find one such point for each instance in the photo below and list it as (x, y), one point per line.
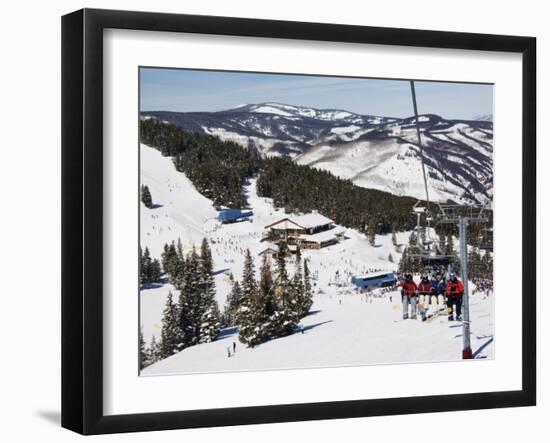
(183, 90)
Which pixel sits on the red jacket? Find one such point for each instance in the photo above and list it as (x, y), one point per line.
(409, 288)
(425, 287)
(454, 288)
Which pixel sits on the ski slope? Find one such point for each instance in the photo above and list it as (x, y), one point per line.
(353, 332)
(344, 327)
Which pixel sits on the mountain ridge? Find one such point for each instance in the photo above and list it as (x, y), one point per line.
(373, 151)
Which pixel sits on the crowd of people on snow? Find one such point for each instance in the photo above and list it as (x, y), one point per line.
(484, 285)
(432, 295)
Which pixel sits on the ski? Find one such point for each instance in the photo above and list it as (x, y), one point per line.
(435, 315)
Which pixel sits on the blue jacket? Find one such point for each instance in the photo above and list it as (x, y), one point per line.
(438, 287)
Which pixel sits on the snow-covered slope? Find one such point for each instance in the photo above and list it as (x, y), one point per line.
(343, 330)
(344, 327)
(179, 210)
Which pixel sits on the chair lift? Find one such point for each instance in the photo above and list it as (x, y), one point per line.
(429, 252)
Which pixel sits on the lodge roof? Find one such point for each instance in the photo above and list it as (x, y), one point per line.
(305, 221)
(323, 236)
(374, 275)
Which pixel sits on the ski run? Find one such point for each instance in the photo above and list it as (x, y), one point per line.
(344, 326)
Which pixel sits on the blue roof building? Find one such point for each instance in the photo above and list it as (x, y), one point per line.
(234, 215)
(375, 280)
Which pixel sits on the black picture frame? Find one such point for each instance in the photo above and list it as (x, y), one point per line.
(82, 218)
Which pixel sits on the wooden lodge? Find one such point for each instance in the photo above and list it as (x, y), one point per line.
(310, 231)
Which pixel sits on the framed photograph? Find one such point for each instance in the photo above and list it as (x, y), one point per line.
(269, 221)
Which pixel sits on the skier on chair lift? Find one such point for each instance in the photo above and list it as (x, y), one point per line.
(438, 291)
(424, 295)
(454, 290)
(408, 296)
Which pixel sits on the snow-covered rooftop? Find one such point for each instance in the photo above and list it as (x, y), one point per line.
(311, 220)
(324, 235)
(305, 221)
(374, 274)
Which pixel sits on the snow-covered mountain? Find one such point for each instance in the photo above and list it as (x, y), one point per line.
(457, 156)
(272, 128)
(373, 151)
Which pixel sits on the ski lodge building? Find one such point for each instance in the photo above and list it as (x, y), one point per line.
(310, 231)
(379, 279)
(234, 215)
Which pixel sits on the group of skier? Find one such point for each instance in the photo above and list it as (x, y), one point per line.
(430, 296)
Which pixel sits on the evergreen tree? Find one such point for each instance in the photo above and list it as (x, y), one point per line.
(251, 311)
(298, 253)
(176, 263)
(285, 317)
(142, 275)
(210, 315)
(371, 232)
(390, 258)
(145, 266)
(307, 280)
(266, 277)
(190, 300)
(146, 198)
(177, 274)
(298, 294)
(307, 299)
(266, 289)
(153, 354)
(171, 335)
(169, 258)
(143, 356)
(410, 260)
(210, 323)
(233, 303)
(154, 271)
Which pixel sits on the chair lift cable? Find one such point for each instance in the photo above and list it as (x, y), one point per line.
(420, 143)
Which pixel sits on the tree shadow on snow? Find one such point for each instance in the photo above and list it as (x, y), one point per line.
(156, 206)
(220, 271)
(313, 312)
(227, 332)
(482, 347)
(151, 286)
(314, 325)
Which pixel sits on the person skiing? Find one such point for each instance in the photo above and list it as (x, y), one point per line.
(408, 296)
(424, 295)
(438, 290)
(454, 290)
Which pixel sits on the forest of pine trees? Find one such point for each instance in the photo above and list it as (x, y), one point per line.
(273, 306)
(149, 269)
(262, 309)
(217, 169)
(194, 318)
